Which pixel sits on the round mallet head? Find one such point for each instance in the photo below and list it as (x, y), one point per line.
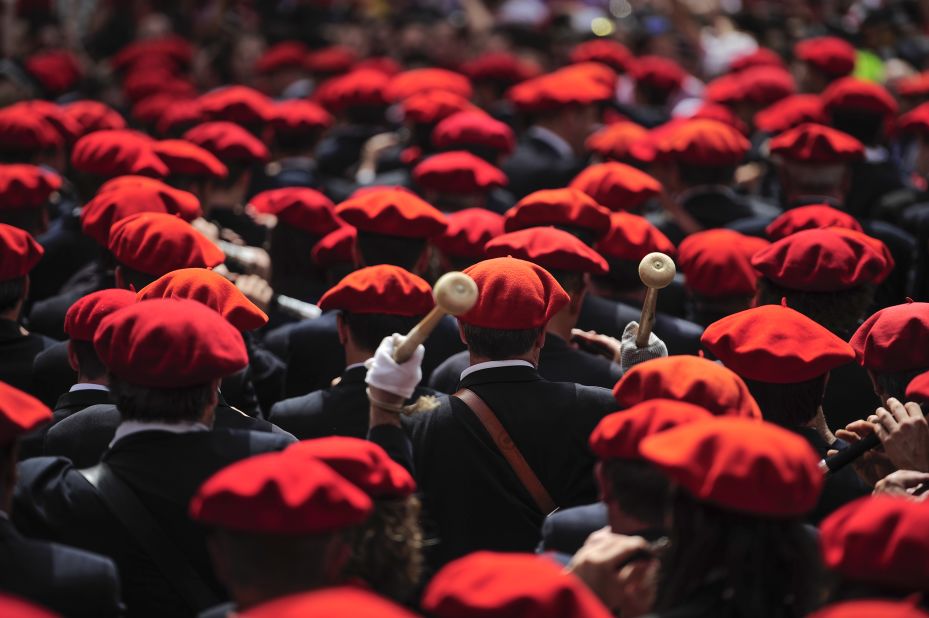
(455, 293)
(656, 270)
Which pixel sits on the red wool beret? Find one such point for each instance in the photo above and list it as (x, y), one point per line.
(150, 109)
(916, 120)
(632, 237)
(790, 112)
(360, 88)
(392, 212)
(336, 602)
(116, 153)
(813, 217)
(828, 54)
(561, 208)
(703, 143)
(382, 289)
(871, 608)
(56, 70)
(618, 435)
(721, 113)
(617, 186)
(299, 207)
(759, 58)
(296, 118)
(498, 585)
(330, 60)
(894, 339)
(406, 84)
(615, 142)
(180, 116)
(283, 55)
(169, 343)
(26, 186)
(238, 104)
(718, 263)
(913, 85)
(364, 464)
(468, 232)
(513, 295)
(850, 94)
(211, 289)
(157, 243)
(557, 90)
(19, 252)
(591, 71)
(550, 248)
(739, 464)
(918, 388)
(171, 48)
(817, 144)
(270, 494)
(657, 73)
(775, 344)
(19, 413)
(692, 379)
(432, 106)
(63, 124)
(26, 131)
(14, 607)
(229, 143)
(473, 129)
(500, 67)
(611, 53)
(95, 116)
(458, 172)
(84, 316)
(879, 541)
(185, 158)
(828, 260)
(157, 80)
(337, 247)
(759, 86)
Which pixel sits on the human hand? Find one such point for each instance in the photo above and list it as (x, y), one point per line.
(388, 375)
(595, 343)
(904, 433)
(872, 465)
(907, 483)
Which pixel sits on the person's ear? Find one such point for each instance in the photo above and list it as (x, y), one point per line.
(72, 358)
(342, 329)
(461, 333)
(540, 340)
(577, 298)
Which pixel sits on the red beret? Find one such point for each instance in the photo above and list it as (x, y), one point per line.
(95, 116)
(894, 339)
(298, 118)
(740, 464)
(550, 248)
(157, 80)
(169, 343)
(497, 585)
(718, 263)
(56, 70)
(180, 116)
(157, 243)
(330, 60)
(468, 232)
(790, 112)
(913, 85)
(336, 602)
(828, 54)
(813, 217)
(337, 247)
(283, 55)
(19, 413)
(513, 295)
(360, 88)
(916, 120)
(19, 252)
(826, 260)
(364, 464)
(458, 172)
(759, 58)
(85, 315)
(760, 86)
(775, 344)
(228, 142)
(657, 73)
(703, 143)
(632, 237)
(879, 541)
(918, 388)
(408, 83)
(721, 113)
(500, 67)
(171, 48)
(115, 153)
(615, 142)
(559, 89)
(14, 607)
(618, 435)
(150, 109)
(611, 53)
(617, 186)
(299, 207)
(64, 125)
(381, 289)
(431, 106)
(687, 378)
(211, 289)
(473, 129)
(26, 186)
(851, 94)
(871, 608)
(185, 158)
(272, 494)
(392, 212)
(558, 207)
(238, 104)
(816, 144)
(26, 131)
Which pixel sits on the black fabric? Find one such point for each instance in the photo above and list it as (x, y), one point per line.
(48, 316)
(870, 182)
(840, 488)
(67, 250)
(565, 531)
(610, 318)
(714, 207)
(17, 354)
(536, 165)
(53, 373)
(33, 443)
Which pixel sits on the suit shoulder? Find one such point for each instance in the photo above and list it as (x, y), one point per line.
(253, 442)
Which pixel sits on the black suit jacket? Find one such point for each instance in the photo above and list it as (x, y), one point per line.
(67, 250)
(17, 354)
(536, 165)
(565, 531)
(52, 372)
(55, 502)
(609, 317)
(48, 316)
(33, 443)
(713, 207)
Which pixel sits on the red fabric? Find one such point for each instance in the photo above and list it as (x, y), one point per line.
(238, 104)
(180, 116)
(617, 186)
(172, 48)
(19, 252)
(879, 541)
(826, 260)
(19, 413)
(116, 153)
(513, 294)
(611, 53)
(383, 289)
(813, 217)
(23, 130)
(850, 94)
(657, 73)
(871, 608)
(150, 109)
(691, 379)
(723, 114)
(828, 54)
(894, 339)
(95, 116)
(790, 112)
(180, 202)
(329, 603)
(57, 70)
(561, 208)
(157, 243)
(211, 289)
(229, 143)
(615, 142)
(594, 72)
(13, 607)
(431, 106)
(498, 585)
(559, 89)
(185, 158)
(26, 186)
(276, 493)
(702, 143)
(84, 316)
(284, 55)
(760, 86)
(759, 58)
(299, 207)
(384, 64)
(632, 237)
(468, 232)
(169, 343)
(913, 85)
(364, 464)
(500, 67)
(392, 212)
(916, 120)
(406, 84)
(918, 389)
(299, 118)
(360, 88)
(817, 144)
(330, 60)
(337, 247)
(618, 435)
(458, 172)
(64, 125)
(550, 248)
(718, 263)
(473, 129)
(148, 83)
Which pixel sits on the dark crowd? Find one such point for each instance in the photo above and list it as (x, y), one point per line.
(464, 308)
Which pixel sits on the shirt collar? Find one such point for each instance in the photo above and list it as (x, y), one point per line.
(554, 140)
(495, 364)
(86, 386)
(127, 428)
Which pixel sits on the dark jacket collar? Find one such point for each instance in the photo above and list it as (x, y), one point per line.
(355, 375)
(498, 375)
(82, 398)
(9, 330)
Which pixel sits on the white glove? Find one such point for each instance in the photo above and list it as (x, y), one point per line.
(633, 355)
(386, 374)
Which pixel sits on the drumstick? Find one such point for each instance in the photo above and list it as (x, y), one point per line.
(656, 270)
(455, 293)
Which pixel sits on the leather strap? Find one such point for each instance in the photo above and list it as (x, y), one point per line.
(509, 450)
(151, 537)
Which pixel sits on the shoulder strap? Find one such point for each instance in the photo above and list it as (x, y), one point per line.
(151, 537)
(508, 449)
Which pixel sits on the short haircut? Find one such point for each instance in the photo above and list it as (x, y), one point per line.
(695, 176)
(866, 128)
(378, 249)
(639, 488)
(814, 179)
(894, 384)
(292, 270)
(89, 364)
(705, 310)
(789, 405)
(572, 282)
(11, 292)
(839, 312)
(369, 329)
(134, 279)
(498, 344)
(623, 276)
(169, 405)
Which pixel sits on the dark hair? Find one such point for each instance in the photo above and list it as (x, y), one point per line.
(839, 312)
(705, 310)
(585, 234)
(695, 176)
(655, 97)
(639, 488)
(369, 329)
(11, 292)
(89, 364)
(169, 405)
(788, 405)
(573, 283)
(866, 128)
(134, 279)
(395, 250)
(497, 344)
(293, 143)
(31, 220)
(623, 276)
(292, 270)
(894, 384)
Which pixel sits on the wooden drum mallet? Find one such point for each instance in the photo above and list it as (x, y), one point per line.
(656, 270)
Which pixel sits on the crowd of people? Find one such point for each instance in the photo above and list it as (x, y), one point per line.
(220, 221)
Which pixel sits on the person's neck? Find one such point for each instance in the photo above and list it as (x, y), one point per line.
(532, 358)
(13, 313)
(561, 324)
(354, 355)
(101, 381)
(818, 423)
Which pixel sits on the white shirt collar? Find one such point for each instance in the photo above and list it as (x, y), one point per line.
(353, 366)
(494, 364)
(86, 386)
(127, 428)
(554, 140)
